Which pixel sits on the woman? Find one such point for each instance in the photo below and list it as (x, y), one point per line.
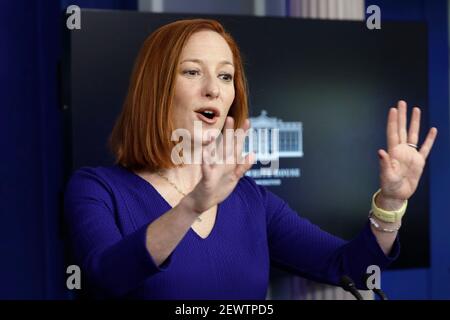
(148, 228)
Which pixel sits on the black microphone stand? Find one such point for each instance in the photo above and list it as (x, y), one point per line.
(348, 285)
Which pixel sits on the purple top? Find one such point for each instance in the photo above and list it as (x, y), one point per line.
(108, 210)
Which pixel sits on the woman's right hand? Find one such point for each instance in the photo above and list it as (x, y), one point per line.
(219, 178)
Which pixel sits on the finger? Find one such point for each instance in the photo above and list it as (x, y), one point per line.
(206, 168)
(414, 126)
(428, 144)
(240, 137)
(385, 165)
(401, 106)
(240, 169)
(391, 129)
(245, 125)
(209, 152)
(229, 124)
(228, 133)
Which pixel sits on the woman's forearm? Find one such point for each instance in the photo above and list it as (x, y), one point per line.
(386, 239)
(164, 234)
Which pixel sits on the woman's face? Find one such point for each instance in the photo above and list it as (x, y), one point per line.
(204, 85)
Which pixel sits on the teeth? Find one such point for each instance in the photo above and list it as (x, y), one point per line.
(209, 114)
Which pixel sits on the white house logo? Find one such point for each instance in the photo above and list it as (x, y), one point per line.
(271, 139)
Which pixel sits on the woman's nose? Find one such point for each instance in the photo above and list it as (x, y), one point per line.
(211, 88)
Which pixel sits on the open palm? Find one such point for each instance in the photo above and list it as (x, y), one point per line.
(220, 175)
(402, 165)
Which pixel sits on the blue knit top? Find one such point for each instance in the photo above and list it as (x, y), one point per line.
(108, 209)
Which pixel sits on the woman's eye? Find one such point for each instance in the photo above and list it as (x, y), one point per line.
(226, 76)
(191, 72)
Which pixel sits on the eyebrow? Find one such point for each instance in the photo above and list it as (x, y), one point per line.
(201, 62)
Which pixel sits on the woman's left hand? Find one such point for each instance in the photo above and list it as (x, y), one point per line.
(402, 165)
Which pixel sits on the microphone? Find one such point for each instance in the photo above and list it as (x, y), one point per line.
(348, 285)
(380, 293)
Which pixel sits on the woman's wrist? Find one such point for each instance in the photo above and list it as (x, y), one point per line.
(386, 225)
(388, 204)
(188, 203)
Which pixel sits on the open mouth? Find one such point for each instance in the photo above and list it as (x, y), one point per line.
(208, 115)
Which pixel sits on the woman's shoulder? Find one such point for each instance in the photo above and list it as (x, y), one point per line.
(250, 186)
(95, 180)
(89, 173)
(104, 172)
(255, 192)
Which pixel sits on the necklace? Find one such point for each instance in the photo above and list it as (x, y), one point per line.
(176, 188)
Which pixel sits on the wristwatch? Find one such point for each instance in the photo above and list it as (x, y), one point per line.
(388, 216)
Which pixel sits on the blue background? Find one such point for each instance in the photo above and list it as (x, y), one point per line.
(31, 134)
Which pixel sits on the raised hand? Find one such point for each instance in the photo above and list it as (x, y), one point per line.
(402, 165)
(221, 174)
